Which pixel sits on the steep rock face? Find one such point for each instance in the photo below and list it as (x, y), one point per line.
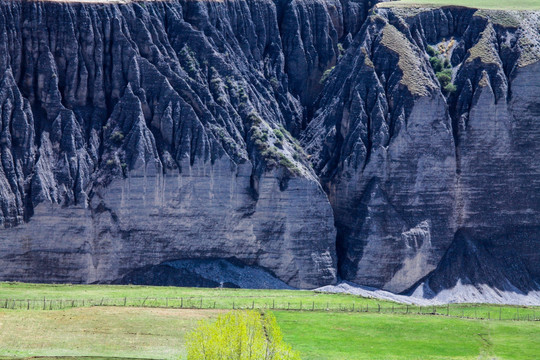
(407, 168)
(134, 134)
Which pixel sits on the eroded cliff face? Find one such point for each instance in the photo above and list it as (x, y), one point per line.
(134, 134)
(414, 173)
(138, 134)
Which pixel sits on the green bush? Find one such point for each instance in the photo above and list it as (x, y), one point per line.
(447, 64)
(450, 88)
(444, 78)
(117, 137)
(239, 335)
(436, 64)
(326, 75)
(278, 134)
(431, 51)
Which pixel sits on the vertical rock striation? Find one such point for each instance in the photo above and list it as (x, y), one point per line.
(414, 173)
(134, 134)
(138, 135)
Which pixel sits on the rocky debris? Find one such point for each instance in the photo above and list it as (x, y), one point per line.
(204, 273)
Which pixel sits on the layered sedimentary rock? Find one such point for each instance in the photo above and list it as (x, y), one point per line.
(307, 140)
(134, 134)
(414, 173)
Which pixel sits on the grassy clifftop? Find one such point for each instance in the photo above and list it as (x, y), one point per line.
(478, 4)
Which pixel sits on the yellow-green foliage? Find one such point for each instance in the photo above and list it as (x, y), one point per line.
(239, 335)
(413, 77)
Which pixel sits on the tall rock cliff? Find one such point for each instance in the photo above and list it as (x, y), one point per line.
(415, 172)
(134, 134)
(309, 139)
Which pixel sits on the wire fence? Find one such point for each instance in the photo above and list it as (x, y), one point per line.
(464, 311)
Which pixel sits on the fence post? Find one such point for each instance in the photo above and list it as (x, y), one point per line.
(447, 309)
(300, 306)
(407, 309)
(125, 301)
(233, 304)
(253, 305)
(201, 303)
(379, 307)
(273, 304)
(500, 313)
(181, 303)
(313, 306)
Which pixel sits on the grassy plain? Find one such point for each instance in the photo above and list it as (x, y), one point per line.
(98, 332)
(355, 336)
(477, 4)
(187, 297)
(156, 332)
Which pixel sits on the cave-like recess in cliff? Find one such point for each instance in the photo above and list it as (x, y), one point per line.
(308, 139)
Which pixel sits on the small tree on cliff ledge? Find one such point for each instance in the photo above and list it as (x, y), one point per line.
(239, 335)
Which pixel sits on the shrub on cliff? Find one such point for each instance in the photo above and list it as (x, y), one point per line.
(241, 335)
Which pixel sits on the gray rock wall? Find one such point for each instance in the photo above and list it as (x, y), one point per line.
(410, 170)
(134, 135)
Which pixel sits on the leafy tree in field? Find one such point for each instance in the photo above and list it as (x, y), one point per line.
(239, 335)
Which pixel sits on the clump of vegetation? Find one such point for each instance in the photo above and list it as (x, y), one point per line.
(326, 75)
(443, 70)
(242, 335)
(189, 62)
(341, 50)
(117, 137)
(279, 134)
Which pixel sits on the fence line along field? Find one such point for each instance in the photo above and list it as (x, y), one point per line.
(57, 297)
(108, 322)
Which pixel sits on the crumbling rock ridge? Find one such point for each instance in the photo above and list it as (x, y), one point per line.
(308, 139)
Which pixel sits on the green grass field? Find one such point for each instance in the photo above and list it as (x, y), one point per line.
(66, 296)
(478, 4)
(187, 297)
(373, 336)
(152, 332)
(98, 331)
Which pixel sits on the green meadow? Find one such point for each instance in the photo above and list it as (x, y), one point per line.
(330, 326)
